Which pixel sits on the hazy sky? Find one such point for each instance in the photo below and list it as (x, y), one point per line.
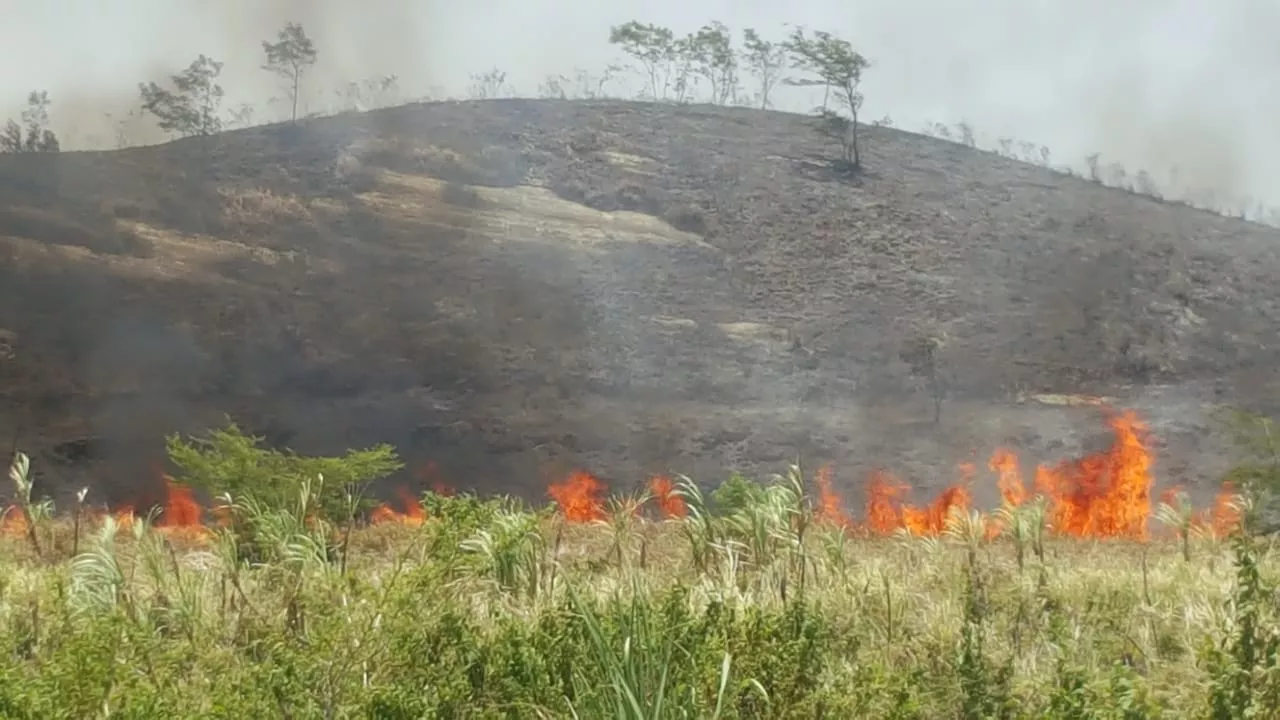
(1152, 83)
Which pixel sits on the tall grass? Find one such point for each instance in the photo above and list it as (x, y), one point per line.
(747, 607)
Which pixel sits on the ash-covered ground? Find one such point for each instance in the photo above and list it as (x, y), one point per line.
(514, 289)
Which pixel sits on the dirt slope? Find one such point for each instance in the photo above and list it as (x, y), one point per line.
(515, 288)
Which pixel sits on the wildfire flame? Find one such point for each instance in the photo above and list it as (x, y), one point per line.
(181, 517)
(1104, 495)
(580, 497)
(413, 515)
(669, 503)
(14, 522)
(829, 506)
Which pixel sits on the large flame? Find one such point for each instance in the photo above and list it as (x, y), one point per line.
(1107, 494)
(181, 517)
(1104, 495)
(580, 497)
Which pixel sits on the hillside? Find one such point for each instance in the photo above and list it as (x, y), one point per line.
(511, 289)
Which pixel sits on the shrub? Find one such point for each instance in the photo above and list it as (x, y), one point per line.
(229, 462)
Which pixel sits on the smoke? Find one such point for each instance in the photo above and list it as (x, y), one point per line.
(1149, 83)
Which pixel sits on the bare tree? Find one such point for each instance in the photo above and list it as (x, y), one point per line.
(290, 56)
(489, 84)
(242, 116)
(921, 354)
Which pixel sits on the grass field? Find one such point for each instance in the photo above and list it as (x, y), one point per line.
(757, 600)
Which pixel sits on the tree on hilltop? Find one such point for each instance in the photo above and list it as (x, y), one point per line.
(192, 108)
(35, 121)
(654, 47)
(838, 68)
(712, 55)
(766, 60)
(290, 56)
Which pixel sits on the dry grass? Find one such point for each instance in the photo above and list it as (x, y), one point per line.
(884, 623)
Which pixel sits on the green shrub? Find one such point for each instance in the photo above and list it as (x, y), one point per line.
(229, 462)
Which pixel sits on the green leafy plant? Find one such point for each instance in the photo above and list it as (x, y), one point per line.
(838, 68)
(229, 462)
(192, 107)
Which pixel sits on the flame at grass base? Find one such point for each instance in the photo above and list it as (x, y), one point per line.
(580, 497)
(1104, 495)
(670, 504)
(412, 515)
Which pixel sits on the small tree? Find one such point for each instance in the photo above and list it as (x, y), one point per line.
(290, 56)
(684, 56)
(229, 461)
(711, 50)
(653, 47)
(35, 120)
(838, 68)
(193, 108)
(766, 60)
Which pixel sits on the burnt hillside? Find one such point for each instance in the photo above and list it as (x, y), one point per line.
(515, 288)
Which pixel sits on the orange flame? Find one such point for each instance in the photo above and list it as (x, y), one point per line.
(829, 505)
(1107, 494)
(1104, 495)
(181, 517)
(669, 503)
(124, 517)
(1224, 517)
(1005, 464)
(180, 507)
(580, 497)
(932, 520)
(14, 523)
(884, 516)
(430, 473)
(413, 514)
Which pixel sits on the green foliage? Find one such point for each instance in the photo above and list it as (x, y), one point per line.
(713, 56)
(767, 60)
(290, 56)
(476, 614)
(654, 48)
(229, 462)
(35, 122)
(1244, 665)
(838, 68)
(736, 494)
(192, 107)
